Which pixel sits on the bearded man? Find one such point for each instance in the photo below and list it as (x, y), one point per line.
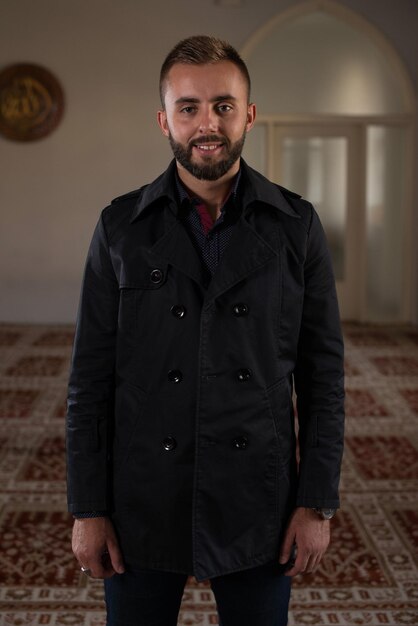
(208, 299)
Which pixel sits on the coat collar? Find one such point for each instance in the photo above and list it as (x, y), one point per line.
(257, 188)
(162, 187)
(251, 246)
(254, 186)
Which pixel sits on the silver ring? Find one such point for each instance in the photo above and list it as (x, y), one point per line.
(86, 570)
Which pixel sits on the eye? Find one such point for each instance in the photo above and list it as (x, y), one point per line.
(224, 108)
(188, 110)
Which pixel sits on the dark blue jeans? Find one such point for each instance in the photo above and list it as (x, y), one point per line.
(253, 597)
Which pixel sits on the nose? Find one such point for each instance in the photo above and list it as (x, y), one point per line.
(208, 122)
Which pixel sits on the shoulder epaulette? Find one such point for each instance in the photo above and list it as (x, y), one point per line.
(128, 196)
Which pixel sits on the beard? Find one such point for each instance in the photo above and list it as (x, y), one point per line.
(209, 170)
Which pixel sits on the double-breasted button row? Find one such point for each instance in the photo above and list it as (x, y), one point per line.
(179, 311)
(176, 376)
(239, 443)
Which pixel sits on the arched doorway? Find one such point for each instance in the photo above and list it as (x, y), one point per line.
(335, 124)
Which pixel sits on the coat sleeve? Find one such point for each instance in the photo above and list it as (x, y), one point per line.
(319, 379)
(91, 382)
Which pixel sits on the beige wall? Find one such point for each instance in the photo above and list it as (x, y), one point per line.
(107, 55)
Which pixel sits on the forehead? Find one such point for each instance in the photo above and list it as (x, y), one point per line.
(205, 81)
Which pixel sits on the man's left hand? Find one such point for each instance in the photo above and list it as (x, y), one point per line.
(311, 535)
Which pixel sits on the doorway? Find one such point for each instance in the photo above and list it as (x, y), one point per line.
(335, 124)
(321, 163)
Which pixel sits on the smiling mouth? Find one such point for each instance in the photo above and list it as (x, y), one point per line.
(208, 147)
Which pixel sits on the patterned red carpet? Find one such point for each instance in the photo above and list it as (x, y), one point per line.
(369, 576)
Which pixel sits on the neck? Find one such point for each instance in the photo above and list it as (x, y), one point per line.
(213, 193)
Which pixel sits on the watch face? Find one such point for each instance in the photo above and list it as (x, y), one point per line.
(326, 513)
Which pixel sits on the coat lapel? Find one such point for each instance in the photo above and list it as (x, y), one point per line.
(253, 243)
(246, 252)
(255, 238)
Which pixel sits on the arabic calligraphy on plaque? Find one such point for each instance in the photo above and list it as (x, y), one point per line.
(31, 102)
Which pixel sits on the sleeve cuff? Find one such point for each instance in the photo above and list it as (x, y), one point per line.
(89, 514)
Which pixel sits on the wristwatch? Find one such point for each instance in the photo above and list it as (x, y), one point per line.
(325, 513)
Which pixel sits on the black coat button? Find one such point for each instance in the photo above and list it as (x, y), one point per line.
(240, 309)
(240, 443)
(156, 276)
(244, 375)
(169, 443)
(178, 310)
(175, 376)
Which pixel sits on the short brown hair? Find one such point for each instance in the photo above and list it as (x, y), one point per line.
(199, 50)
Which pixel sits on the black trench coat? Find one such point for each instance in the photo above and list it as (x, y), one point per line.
(180, 416)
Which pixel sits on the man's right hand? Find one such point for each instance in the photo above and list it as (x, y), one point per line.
(96, 547)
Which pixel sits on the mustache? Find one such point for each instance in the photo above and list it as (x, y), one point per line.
(207, 139)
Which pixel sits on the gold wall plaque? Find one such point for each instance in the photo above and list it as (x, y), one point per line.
(31, 102)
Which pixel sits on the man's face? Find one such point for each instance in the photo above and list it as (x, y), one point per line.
(206, 117)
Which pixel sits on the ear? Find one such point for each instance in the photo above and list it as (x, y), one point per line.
(162, 122)
(251, 114)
